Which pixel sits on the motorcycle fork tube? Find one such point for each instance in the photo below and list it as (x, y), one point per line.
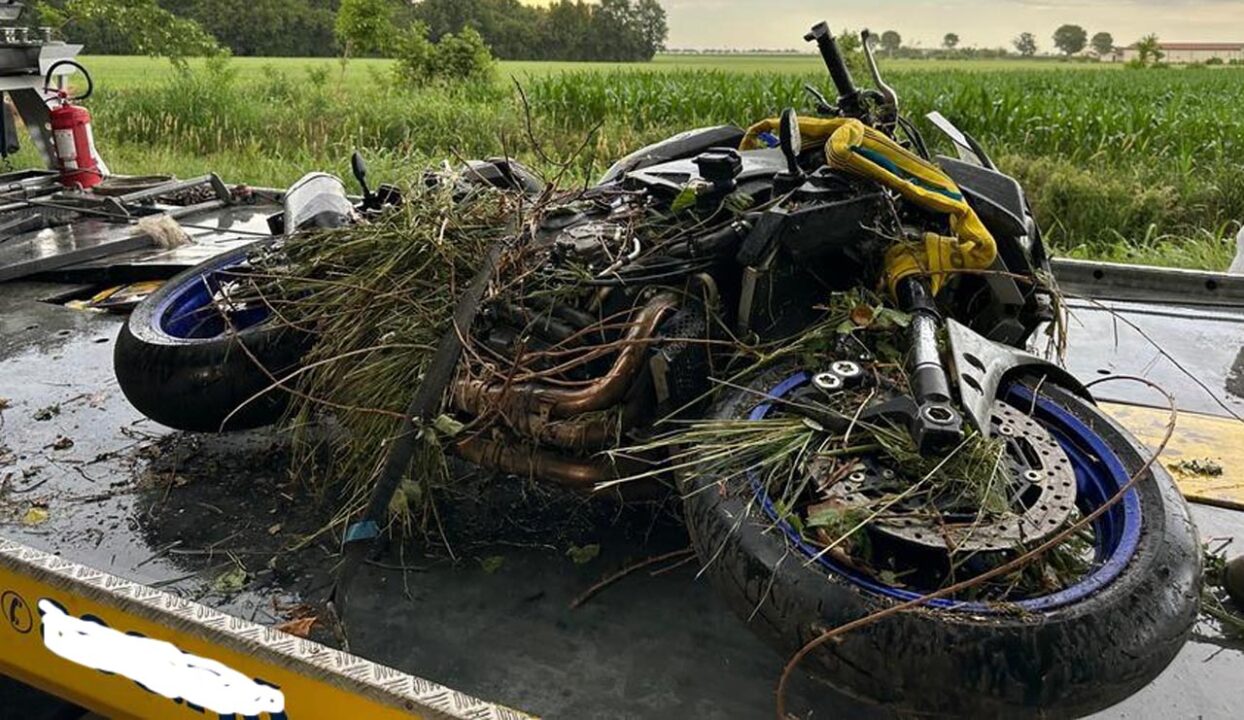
(927, 375)
(935, 423)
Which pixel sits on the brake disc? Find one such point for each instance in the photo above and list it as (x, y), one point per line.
(1041, 494)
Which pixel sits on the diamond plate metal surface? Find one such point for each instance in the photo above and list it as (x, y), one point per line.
(349, 672)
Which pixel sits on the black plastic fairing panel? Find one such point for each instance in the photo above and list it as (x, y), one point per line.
(997, 198)
(683, 145)
(9, 136)
(999, 202)
(674, 175)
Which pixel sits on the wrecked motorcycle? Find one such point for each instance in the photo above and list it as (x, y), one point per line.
(838, 320)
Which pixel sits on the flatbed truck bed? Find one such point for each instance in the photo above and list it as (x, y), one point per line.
(186, 538)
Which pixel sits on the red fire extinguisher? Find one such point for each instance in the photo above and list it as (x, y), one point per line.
(76, 157)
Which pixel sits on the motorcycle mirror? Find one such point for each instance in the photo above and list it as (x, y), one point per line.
(359, 167)
(791, 139)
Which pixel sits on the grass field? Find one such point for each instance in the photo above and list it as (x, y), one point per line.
(121, 71)
(1125, 165)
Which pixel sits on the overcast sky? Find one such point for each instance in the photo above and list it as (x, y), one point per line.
(984, 23)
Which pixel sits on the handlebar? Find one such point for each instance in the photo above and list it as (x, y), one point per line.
(848, 94)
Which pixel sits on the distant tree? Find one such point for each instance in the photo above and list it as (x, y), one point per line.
(891, 41)
(1071, 39)
(1026, 44)
(457, 57)
(1149, 48)
(566, 32)
(416, 55)
(618, 30)
(612, 31)
(950, 41)
(142, 25)
(266, 27)
(365, 26)
(464, 56)
(650, 23)
(849, 41)
(1103, 43)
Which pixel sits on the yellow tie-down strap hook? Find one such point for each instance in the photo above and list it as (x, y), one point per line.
(853, 147)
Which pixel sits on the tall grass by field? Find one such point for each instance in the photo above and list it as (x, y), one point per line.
(119, 71)
(1122, 165)
(1114, 161)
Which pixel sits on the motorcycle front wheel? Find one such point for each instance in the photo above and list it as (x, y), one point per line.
(1067, 653)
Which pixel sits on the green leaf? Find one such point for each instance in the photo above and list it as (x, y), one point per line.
(583, 555)
(784, 513)
(686, 199)
(739, 201)
(35, 516)
(887, 352)
(824, 518)
(448, 427)
(231, 581)
(491, 564)
(409, 494)
(889, 318)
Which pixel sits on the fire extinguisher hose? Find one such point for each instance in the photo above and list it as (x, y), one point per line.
(90, 83)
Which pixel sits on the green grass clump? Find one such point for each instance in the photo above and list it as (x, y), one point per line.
(378, 298)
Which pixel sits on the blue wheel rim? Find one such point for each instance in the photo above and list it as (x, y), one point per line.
(1099, 476)
(187, 312)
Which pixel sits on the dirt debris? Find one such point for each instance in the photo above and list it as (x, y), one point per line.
(47, 413)
(1202, 467)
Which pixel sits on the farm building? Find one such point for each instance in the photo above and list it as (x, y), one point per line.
(1187, 52)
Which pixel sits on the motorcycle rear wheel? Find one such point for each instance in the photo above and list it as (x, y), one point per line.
(1068, 659)
(185, 363)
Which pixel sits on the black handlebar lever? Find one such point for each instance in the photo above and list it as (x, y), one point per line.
(849, 100)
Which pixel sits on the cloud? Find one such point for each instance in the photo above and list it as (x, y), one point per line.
(781, 23)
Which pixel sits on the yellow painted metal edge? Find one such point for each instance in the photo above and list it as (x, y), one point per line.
(316, 681)
(1197, 438)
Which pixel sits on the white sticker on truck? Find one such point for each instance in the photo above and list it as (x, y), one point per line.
(157, 665)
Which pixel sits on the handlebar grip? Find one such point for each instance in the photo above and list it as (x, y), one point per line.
(833, 60)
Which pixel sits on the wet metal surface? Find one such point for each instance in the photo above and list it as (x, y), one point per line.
(99, 247)
(136, 500)
(1196, 353)
(54, 248)
(213, 232)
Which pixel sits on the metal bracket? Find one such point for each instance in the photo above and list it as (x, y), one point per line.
(980, 366)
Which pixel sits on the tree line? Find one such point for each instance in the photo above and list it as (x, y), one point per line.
(610, 30)
(1069, 39)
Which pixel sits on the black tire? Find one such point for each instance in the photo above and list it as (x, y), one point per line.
(196, 384)
(1068, 662)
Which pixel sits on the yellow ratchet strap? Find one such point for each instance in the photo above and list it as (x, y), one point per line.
(853, 147)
